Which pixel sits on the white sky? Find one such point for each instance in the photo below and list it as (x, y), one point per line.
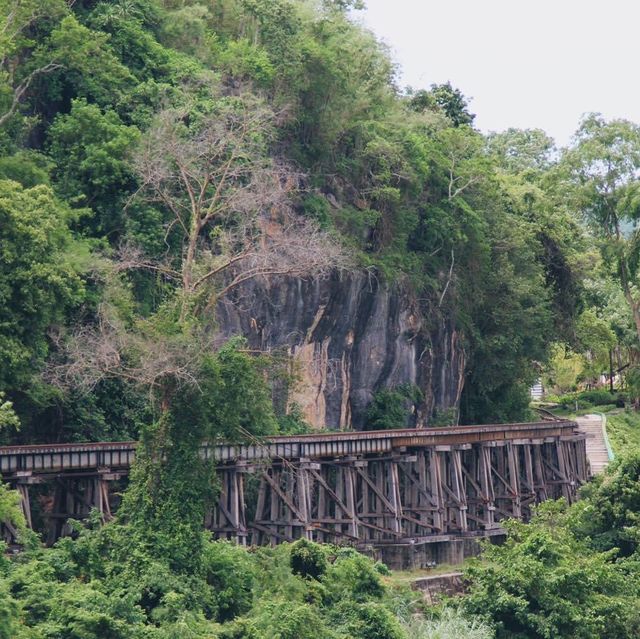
(527, 64)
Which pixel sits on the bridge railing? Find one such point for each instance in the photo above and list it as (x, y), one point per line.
(43, 458)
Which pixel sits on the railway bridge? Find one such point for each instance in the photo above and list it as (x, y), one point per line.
(386, 490)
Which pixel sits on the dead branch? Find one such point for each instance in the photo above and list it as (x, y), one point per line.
(21, 89)
(446, 286)
(109, 350)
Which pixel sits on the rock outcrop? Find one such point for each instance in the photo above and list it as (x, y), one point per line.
(349, 336)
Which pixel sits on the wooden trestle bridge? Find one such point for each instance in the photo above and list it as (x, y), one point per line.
(367, 488)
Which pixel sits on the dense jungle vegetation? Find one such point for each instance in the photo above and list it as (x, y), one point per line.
(155, 155)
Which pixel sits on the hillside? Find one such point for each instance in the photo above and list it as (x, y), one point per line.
(403, 257)
(225, 219)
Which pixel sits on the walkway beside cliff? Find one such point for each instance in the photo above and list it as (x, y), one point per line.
(597, 452)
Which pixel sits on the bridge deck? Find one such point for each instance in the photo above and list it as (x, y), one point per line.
(46, 458)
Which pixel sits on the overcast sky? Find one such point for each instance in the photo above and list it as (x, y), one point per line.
(527, 64)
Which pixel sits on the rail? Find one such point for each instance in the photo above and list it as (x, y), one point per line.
(605, 435)
(47, 458)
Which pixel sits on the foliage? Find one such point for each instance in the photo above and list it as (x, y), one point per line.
(587, 399)
(352, 576)
(444, 98)
(155, 156)
(89, 149)
(393, 408)
(39, 281)
(235, 593)
(10, 511)
(546, 582)
(8, 417)
(171, 483)
(572, 571)
(450, 624)
(126, 108)
(609, 516)
(308, 559)
(564, 369)
(229, 571)
(602, 171)
(623, 429)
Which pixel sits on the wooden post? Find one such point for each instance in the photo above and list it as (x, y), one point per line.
(514, 480)
(25, 503)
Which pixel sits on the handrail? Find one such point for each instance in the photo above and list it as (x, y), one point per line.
(605, 435)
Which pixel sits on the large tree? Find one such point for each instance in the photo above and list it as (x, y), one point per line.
(38, 279)
(602, 168)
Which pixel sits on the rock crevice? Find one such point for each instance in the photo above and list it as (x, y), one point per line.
(349, 336)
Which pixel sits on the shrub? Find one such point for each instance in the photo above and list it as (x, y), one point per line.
(228, 570)
(308, 559)
(372, 621)
(393, 408)
(352, 576)
(598, 397)
(280, 619)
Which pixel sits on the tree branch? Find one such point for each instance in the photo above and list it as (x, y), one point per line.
(21, 89)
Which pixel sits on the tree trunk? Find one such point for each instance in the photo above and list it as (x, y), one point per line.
(633, 304)
(187, 266)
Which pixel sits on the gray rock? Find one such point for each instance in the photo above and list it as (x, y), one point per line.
(347, 337)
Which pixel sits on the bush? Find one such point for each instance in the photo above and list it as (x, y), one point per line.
(544, 581)
(372, 621)
(588, 398)
(229, 572)
(597, 397)
(280, 619)
(352, 576)
(307, 559)
(393, 408)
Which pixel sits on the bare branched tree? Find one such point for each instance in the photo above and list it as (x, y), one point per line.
(228, 199)
(137, 354)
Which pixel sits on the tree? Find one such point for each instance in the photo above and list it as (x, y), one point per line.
(519, 150)
(609, 516)
(91, 154)
(564, 369)
(602, 168)
(545, 582)
(225, 204)
(17, 19)
(41, 38)
(444, 98)
(8, 417)
(227, 200)
(39, 281)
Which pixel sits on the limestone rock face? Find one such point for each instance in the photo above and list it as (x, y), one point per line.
(347, 337)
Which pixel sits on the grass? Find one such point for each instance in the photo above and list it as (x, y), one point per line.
(623, 428)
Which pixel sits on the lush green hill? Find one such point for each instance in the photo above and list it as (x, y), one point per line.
(120, 120)
(623, 428)
(157, 155)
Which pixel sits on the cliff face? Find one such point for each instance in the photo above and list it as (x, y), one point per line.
(347, 338)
